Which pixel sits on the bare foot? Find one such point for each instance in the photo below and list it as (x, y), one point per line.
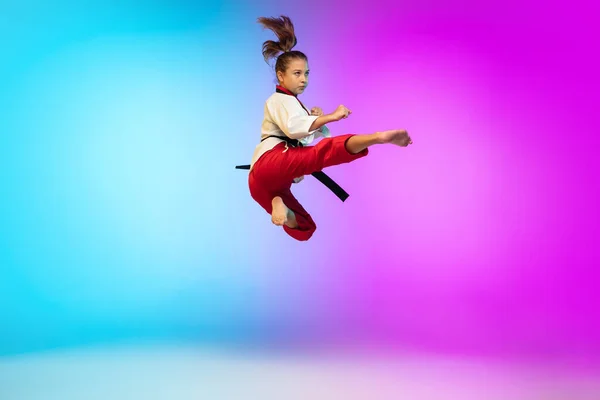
(280, 211)
(398, 137)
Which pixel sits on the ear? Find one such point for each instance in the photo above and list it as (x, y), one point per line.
(279, 76)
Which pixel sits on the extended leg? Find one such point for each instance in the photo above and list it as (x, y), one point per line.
(332, 151)
(302, 161)
(358, 143)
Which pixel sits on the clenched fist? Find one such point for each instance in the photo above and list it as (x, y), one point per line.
(317, 111)
(341, 112)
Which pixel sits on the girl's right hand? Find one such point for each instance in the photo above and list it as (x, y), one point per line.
(341, 112)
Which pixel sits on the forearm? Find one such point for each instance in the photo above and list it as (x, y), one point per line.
(322, 120)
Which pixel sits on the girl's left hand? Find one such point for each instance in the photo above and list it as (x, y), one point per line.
(316, 111)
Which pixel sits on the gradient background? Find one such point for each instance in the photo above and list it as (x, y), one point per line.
(123, 218)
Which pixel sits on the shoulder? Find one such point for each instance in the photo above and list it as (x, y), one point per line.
(280, 98)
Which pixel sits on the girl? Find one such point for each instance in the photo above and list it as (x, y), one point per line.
(281, 158)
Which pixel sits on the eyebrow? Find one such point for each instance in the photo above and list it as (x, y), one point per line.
(299, 70)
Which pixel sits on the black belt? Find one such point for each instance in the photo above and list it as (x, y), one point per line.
(320, 175)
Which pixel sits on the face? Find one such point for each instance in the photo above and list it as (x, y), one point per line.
(295, 78)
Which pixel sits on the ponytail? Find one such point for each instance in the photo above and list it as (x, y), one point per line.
(284, 30)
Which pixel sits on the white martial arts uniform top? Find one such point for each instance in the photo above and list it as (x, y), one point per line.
(285, 116)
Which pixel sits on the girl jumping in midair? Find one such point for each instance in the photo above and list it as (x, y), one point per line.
(281, 158)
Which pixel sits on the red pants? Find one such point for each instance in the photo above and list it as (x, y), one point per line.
(273, 174)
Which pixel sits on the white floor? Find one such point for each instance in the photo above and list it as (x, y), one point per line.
(178, 372)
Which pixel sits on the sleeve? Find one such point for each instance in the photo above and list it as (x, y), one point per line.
(290, 117)
(324, 131)
(321, 132)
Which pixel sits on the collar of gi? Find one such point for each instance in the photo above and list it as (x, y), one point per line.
(281, 89)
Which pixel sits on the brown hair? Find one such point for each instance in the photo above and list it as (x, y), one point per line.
(284, 30)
